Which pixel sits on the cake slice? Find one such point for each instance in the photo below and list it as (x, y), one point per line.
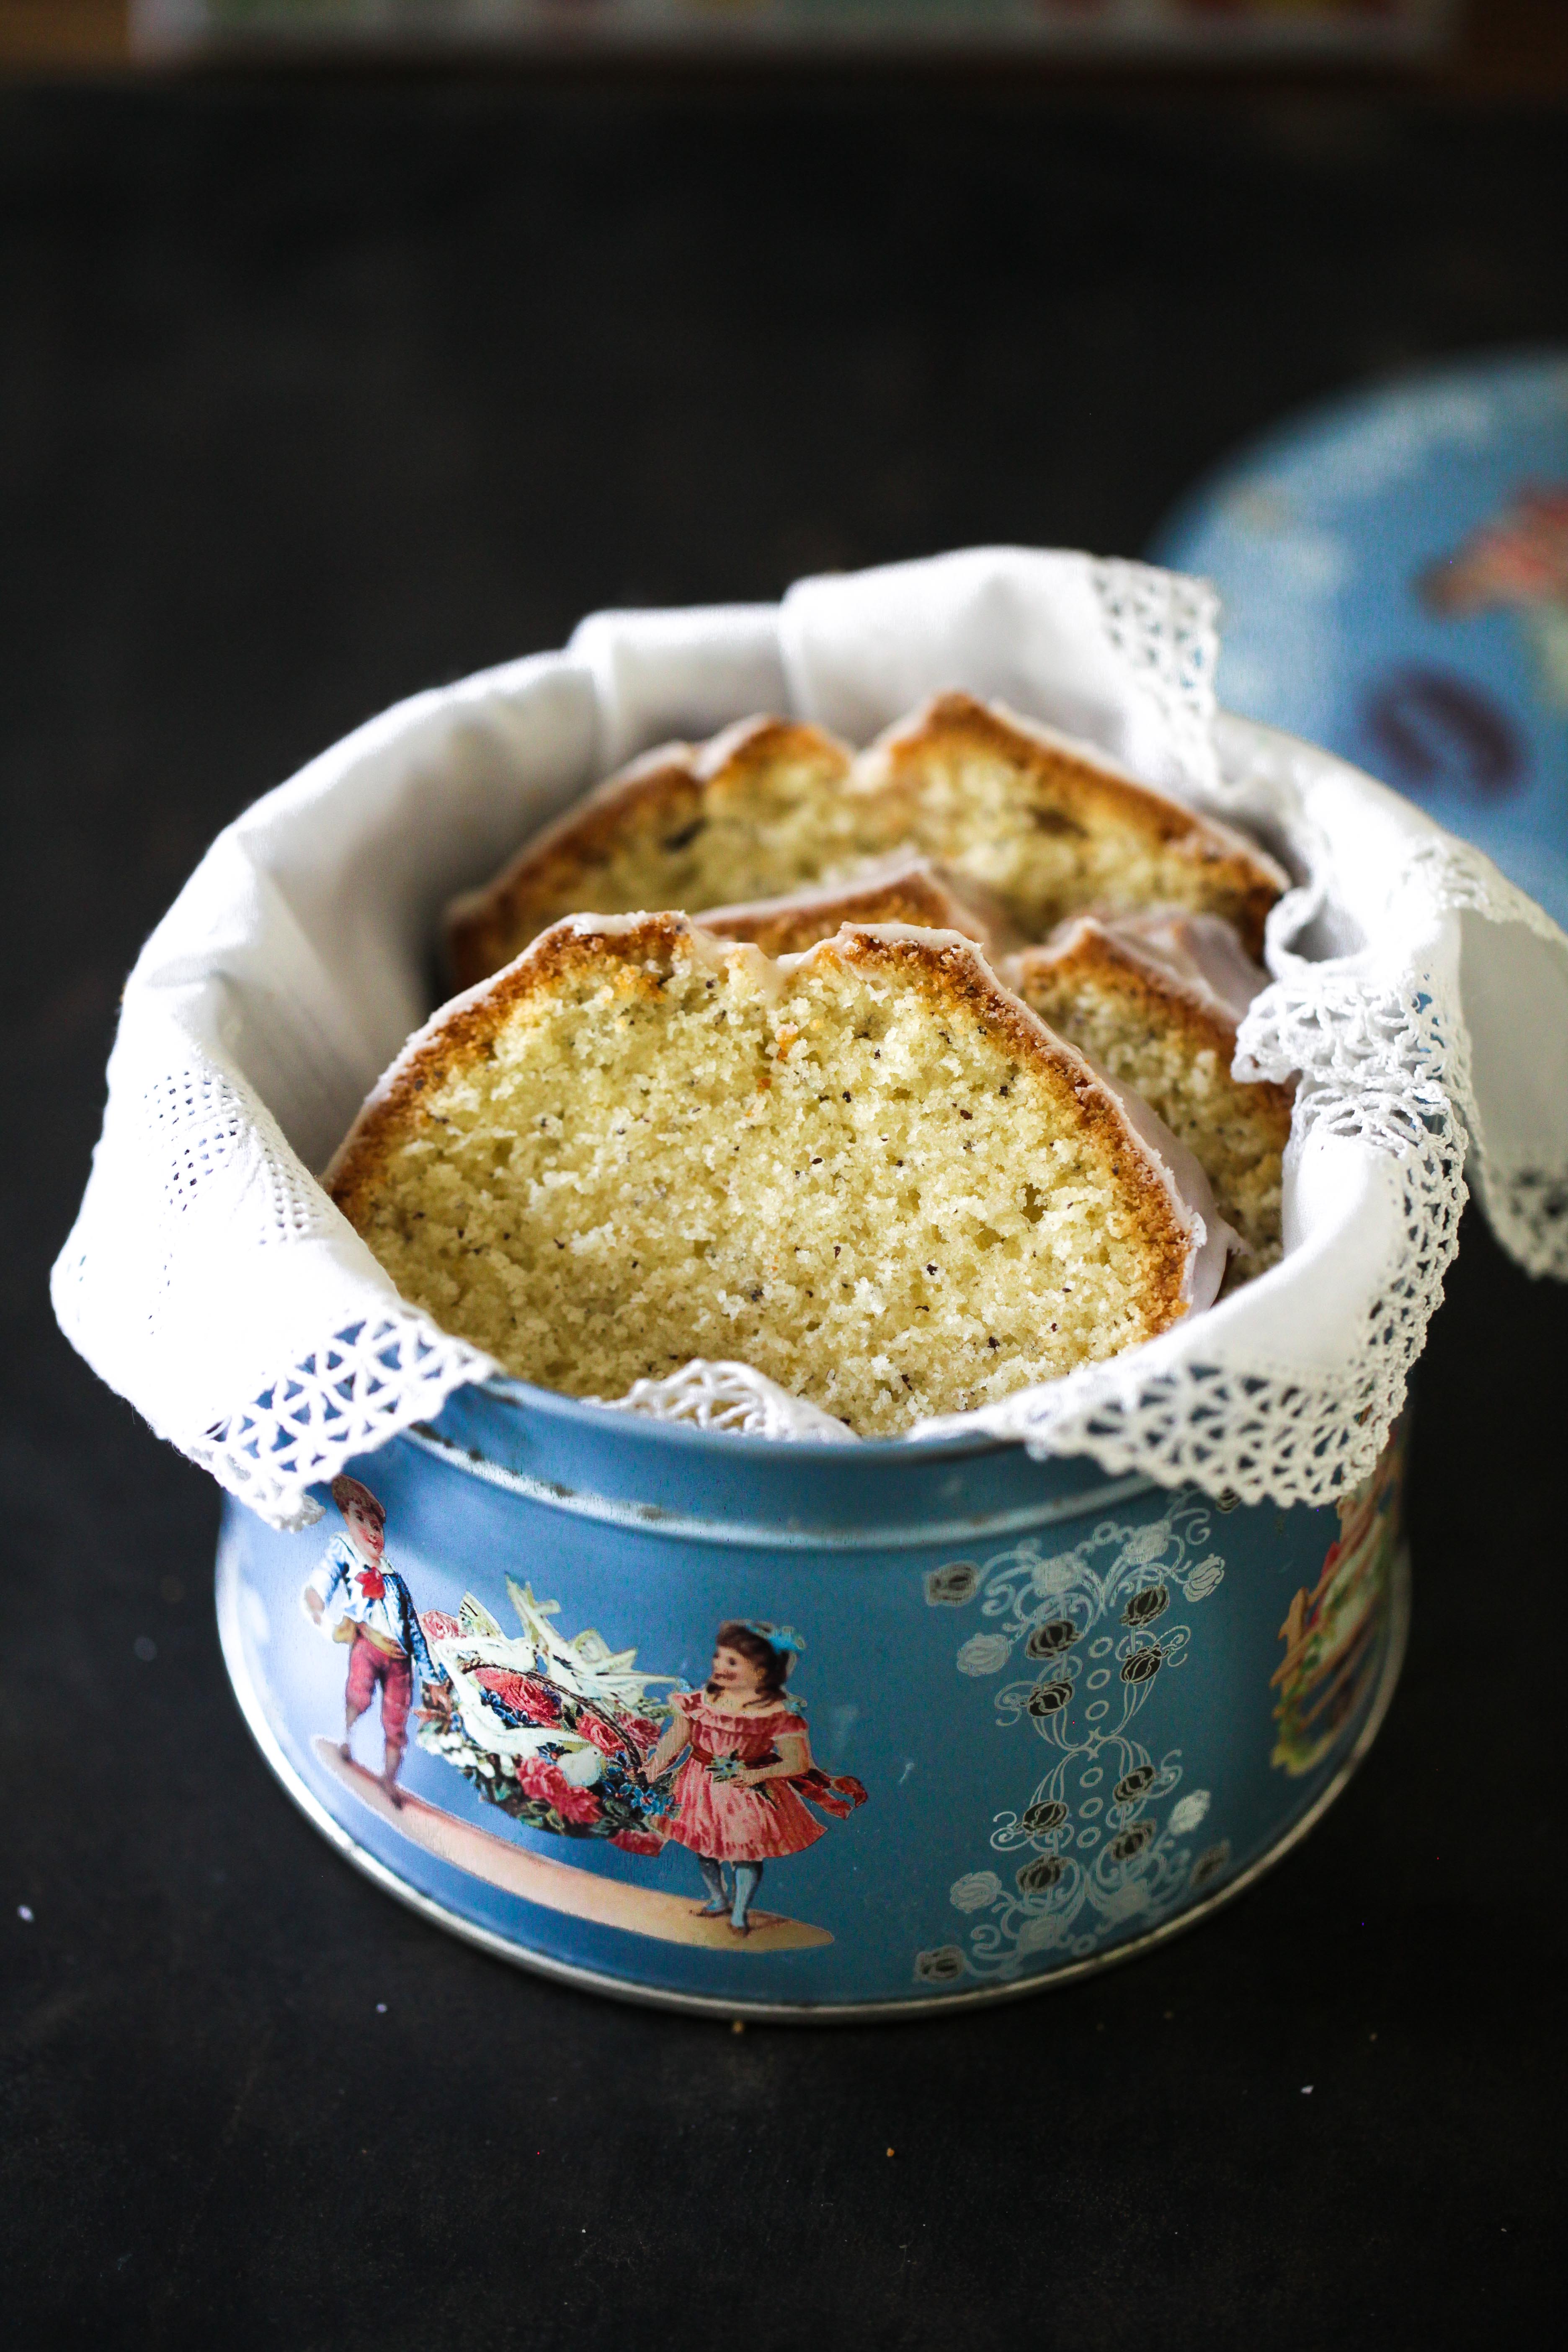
(1050, 827)
(1155, 1001)
(1042, 825)
(758, 810)
(868, 1171)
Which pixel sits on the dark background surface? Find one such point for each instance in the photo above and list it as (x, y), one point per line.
(312, 394)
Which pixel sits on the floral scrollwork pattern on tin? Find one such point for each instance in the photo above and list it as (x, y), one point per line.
(1101, 1843)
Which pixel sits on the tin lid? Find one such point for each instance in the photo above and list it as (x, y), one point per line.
(1394, 569)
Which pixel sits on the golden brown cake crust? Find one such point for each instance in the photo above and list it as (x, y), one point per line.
(961, 722)
(668, 791)
(1162, 999)
(1072, 794)
(483, 925)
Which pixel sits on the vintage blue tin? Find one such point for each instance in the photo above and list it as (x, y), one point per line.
(1006, 1720)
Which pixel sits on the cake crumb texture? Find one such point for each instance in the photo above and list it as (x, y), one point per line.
(868, 1172)
(758, 811)
(1175, 1045)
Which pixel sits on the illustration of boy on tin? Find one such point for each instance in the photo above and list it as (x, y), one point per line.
(739, 1797)
(373, 1610)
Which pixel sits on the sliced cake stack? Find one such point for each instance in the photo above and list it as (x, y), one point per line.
(932, 1101)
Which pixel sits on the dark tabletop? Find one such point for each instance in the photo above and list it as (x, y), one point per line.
(313, 394)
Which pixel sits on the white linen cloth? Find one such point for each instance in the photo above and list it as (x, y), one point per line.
(1424, 1000)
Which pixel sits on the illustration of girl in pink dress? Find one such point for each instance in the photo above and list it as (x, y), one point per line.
(738, 1799)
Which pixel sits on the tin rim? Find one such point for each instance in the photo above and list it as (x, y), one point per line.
(585, 1980)
(654, 1519)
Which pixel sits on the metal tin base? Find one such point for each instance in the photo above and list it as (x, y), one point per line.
(802, 2013)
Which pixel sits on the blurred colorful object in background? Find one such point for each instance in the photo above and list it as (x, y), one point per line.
(1198, 28)
(1394, 575)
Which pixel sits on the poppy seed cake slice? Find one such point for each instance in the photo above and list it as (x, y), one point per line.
(1140, 1000)
(756, 811)
(1050, 826)
(869, 1171)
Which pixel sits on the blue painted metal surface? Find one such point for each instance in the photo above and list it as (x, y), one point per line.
(1080, 1708)
(1394, 569)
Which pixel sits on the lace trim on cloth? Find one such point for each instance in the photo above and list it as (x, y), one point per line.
(732, 1397)
(1527, 1209)
(1526, 1205)
(351, 1395)
(1461, 877)
(210, 1152)
(1165, 626)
